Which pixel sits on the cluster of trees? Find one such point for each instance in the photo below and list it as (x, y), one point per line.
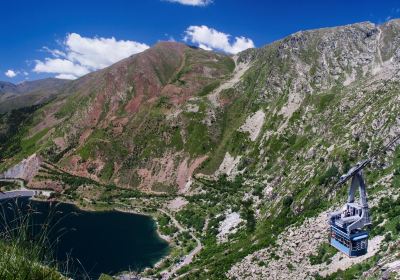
(165, 226)
(192, 218)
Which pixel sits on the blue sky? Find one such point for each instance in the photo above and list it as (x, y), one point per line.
(36, 40)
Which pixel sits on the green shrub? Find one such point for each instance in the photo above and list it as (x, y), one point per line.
(198, 141)
(388, 237)
(209, 88)
(290, 266)
(248, 215)
(397, 227)
(322, 101)
(287, 201)
(324, 254)
(330, 173)
(107, 171)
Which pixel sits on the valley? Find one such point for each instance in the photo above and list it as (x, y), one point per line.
(235, 157)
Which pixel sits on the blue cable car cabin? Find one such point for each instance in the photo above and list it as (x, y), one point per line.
(353, 245)
(347, 233)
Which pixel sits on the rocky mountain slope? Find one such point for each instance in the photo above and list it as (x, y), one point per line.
(122, 124)
(252, 143)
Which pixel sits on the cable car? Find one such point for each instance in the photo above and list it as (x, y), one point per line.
(349, 226)
(348, 231)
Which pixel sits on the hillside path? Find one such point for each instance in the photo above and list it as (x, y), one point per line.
(189, 257)
(186, 260)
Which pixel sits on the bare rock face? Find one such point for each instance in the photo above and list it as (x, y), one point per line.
(253, 125)
(228, 226)
(228, 165)
(26, 169)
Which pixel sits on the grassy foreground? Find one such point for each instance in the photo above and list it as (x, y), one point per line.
(24, 262)
(25, 252)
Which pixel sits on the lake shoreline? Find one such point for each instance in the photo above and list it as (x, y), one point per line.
(161, 236)
(166, 238)
(152, 219)
(106, 208)
(117, 209)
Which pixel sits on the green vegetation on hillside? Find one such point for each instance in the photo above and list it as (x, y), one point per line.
(324, 254)
(13, 129)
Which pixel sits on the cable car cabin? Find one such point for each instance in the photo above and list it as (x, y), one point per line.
(353, 244)
(347, 232)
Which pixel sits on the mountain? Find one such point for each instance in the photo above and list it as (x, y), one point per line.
(6, 87)
(244, 151)
(28, 93)
(118, 125)
(48, 84)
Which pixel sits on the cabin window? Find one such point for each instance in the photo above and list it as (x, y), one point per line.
(342, 240)
(359, 245)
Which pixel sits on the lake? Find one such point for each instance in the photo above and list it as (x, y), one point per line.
(99, 242)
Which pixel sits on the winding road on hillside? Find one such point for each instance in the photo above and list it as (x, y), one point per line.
(168, 273)
(189, 257)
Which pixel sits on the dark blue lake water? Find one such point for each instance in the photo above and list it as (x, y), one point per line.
(99, 242)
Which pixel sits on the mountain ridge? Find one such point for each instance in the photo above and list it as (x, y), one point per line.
(28, 93)
(252, 144)
(30, 86)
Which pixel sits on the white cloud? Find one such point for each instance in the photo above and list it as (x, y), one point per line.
(11, 73)
(61, 67)
(66, 76)
(81, 55)
(192, 2)
(55, 52)
(204, 47)
(98, 53)
(208, 38)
